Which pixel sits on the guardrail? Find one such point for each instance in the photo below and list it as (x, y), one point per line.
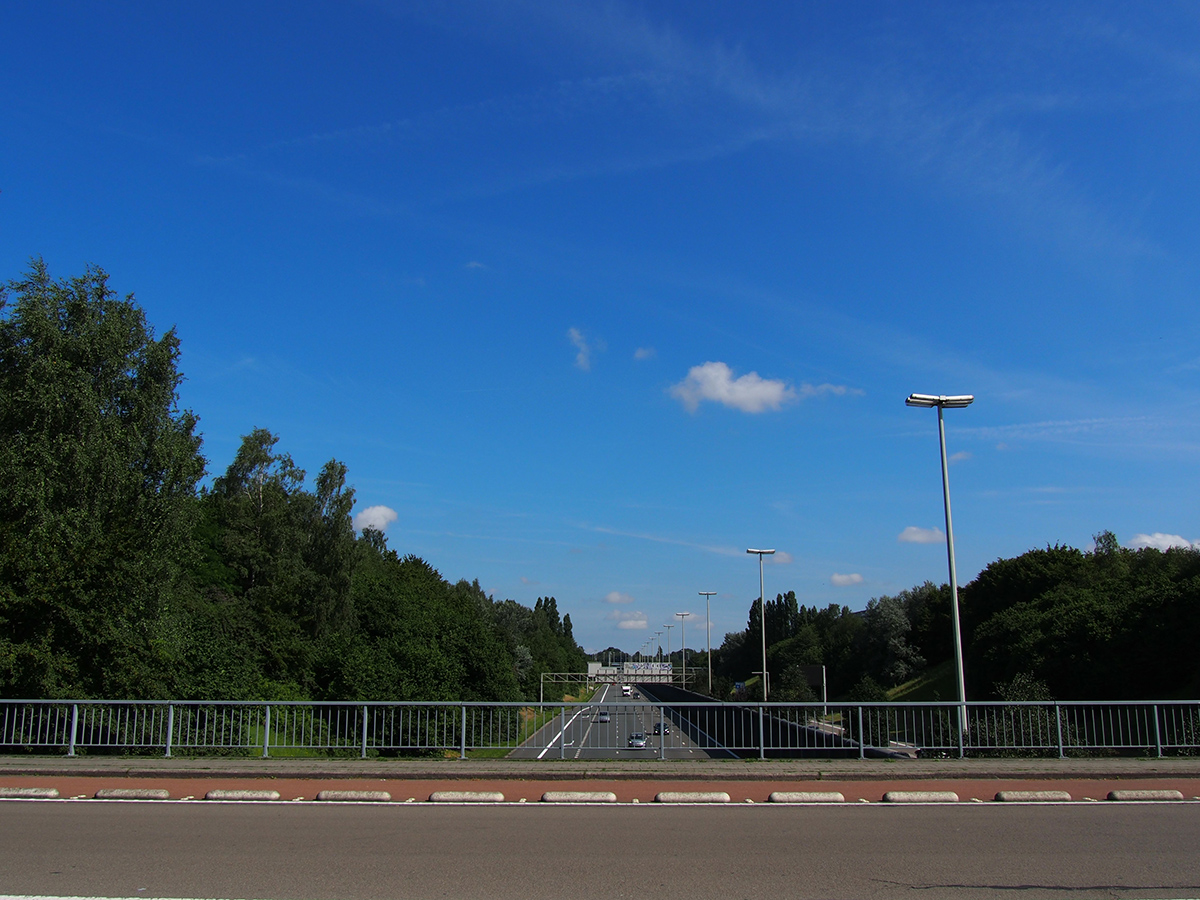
(763, 730)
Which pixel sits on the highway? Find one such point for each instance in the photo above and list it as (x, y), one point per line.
(586, 734)
(535, 851)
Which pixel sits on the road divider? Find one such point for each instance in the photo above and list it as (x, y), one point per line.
(920, 797)
(28, 793)
(1144, 795)
(219, 794)
(806, 797)
(691, 797)
(579, 797)
(355, 796)
(466, 797)
(1032, 797)
(132, 794)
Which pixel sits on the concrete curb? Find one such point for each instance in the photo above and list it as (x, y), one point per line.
(806, 797)
(466, 797)
(920, 797)
(241, 795)
(132, 794)
(28, 793)
(579, 797)
(1032, 796)
(1145, 795)
(691, 797)
(354, 796)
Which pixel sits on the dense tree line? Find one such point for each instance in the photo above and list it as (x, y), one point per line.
(1111, 623)
(121, 576)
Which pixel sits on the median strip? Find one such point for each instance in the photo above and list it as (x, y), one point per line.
(806, 797)
(355, 796)
(466, 797)
(920, 797)
(132, 794)
(219, 794)
(579, 797)
(1145, 795)
(691, 797)
(1032, 797)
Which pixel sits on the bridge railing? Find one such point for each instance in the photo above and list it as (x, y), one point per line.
(554, 730)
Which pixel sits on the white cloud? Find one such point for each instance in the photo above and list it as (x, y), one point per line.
(583, 359)
(1160, 541)
(376, 517)
(645, 353)
(749, 393)
(845, 580)
(617, 597)
(629, 621)
(473, 264)
(525, 580)
(914, 535)
(959, 456)
(779, 558)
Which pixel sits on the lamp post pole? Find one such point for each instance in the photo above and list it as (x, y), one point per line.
(707, 595)
(683, 644)
(762, 598)
(953, 402)
(668, 628)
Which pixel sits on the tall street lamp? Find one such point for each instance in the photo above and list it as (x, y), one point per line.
(762, 597)
(669, 627)
(954, 402)
(683, 644)
(707, 595)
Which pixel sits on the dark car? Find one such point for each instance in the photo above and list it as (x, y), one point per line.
(662, 728)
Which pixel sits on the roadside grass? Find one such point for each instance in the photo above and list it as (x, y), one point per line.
(932, 686)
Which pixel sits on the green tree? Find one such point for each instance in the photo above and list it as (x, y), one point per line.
(98, 468)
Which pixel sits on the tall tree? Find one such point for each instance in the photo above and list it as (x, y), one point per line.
(98, 467)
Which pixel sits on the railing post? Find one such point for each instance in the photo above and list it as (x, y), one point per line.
(762, 735)
(266, 730)
(1058, 723)
(562, 737)
(74, 728)
(1157, 734)
(962, 730)
(170, 726)
(662, 733)
(462, 745)
(364, 732)
(862, 735)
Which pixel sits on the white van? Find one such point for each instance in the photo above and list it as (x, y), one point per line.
(626, 690)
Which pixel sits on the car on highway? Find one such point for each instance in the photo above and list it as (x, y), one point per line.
(662, 728)
(626, 689)
(637, 740)
(602, 716)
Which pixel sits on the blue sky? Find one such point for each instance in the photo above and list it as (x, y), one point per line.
(591, 297)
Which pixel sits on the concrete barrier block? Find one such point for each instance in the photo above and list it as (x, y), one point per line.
(355, 796)
(28, 793)
(806, 797)
(691, 797)
(920, 797)
(133, 794)
(579, 797)
(219, 794)
(1032, 796)
(466, 797)
(1145, 795)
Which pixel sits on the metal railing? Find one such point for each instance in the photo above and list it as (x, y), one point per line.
(573, 730)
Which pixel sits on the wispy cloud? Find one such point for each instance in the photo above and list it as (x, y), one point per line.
(659, 539)
(617, 597)
(845, 580)
(629, 621)
(914, 535)
(642, 353)
(583, 356)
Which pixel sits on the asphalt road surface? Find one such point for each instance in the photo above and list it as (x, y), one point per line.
(601, 730)
(534, 851)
